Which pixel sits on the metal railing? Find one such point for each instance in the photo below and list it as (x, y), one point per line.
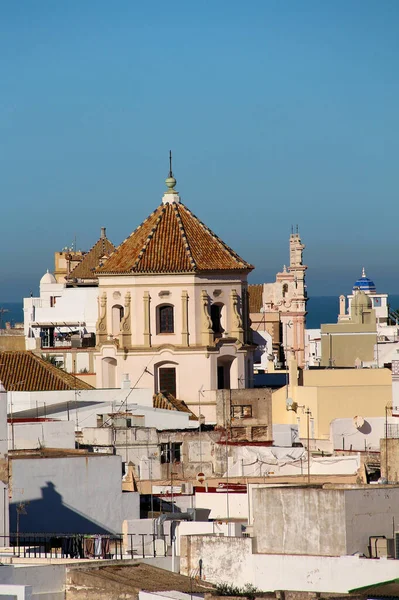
(60, 545)
(146, 545)
(80, 546)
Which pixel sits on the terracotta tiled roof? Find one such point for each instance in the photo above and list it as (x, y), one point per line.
(86, 268)
(173, 240)
(169, 402)
(255, 297)
(25, 372)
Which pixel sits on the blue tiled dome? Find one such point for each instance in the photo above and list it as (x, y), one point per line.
(364, 283)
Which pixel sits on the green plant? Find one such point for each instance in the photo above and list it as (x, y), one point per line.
(249, 591)
(50, 359)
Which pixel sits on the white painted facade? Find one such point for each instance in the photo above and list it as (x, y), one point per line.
(264, 349)
(80, 406)
(32, 581)
(362, 433)
(41, 434)
(62, 321)
(76, 493)
(231, 560)
(312, 347)
(223, 505)
(60, 306)
(224, 528)
(257, 461)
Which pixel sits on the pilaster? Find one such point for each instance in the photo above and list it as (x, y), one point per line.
(184, 312)
(147, 321)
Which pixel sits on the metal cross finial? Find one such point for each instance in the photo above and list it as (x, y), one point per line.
(170, 164)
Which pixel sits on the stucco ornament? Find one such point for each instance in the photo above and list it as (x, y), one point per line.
(101, 325)
(207, 322)
(237, 316)
(125, 322)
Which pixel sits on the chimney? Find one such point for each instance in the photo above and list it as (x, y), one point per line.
(103, 234)
(126, 383)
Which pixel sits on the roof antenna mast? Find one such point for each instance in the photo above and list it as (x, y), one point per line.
(170, 164)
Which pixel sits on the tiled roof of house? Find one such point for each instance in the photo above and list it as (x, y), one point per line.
(23, 371)
(173, 240)
(90, 261)
(169, 402)
(255, 297)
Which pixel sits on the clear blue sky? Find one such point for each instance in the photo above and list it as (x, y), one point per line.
(277, 112)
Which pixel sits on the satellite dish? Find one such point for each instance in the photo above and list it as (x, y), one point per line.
(290, 404)
(358, 422)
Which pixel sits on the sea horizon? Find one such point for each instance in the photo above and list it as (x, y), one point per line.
(321, 309)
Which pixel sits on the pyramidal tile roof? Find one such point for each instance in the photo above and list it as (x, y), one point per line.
(23, 371)
(172, 240)
(86, 268)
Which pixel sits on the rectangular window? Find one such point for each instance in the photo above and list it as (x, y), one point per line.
(241, 411)
(47, 337)
(167, 380)
(166, 324)
(170, 452)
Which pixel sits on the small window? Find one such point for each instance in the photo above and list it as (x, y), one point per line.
(117, 316)
(216, 318)
(285, 289)
(165, 317)
(240, 411)
(170, 452)
(167, 380)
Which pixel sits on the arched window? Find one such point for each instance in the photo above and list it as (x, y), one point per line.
(117, 316)
(285, 289)
(165, 319)
(216, 318)
(109, 372)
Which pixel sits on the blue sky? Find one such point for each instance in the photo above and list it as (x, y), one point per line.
(277, 113)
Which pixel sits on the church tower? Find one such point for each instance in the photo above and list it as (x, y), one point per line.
(173, 309)
(287, 297)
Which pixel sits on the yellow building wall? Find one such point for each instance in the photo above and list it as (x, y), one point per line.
(344, 377)
(344, 350)
(349, 402)
(12, 342)
(334, 394)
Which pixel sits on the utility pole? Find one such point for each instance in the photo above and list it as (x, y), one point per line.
(308, 413)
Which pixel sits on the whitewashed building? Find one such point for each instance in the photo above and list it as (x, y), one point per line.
(61, 322)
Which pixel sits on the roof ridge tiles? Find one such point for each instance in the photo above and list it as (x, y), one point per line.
(184, 236)
(217, 238)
